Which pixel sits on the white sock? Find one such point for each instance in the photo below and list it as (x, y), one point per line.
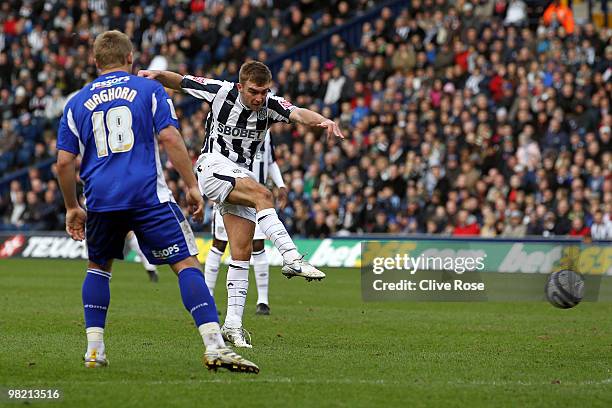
(277, 233)
(211, 268)
(95, 340)
(261, 268)
(133, 244)
(237, 286)
(211, 334)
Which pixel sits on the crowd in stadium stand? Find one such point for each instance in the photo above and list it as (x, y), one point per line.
(463, 118)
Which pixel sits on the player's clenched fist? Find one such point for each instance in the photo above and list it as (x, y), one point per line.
(148, 74)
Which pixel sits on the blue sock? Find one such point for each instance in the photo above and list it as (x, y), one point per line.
(96, 297)
(196, 296)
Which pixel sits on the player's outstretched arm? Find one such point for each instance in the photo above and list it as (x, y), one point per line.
(168, 79)
(75, 215)
(173, 143)
(310, 118)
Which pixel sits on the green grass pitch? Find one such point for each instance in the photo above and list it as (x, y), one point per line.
(322, 346)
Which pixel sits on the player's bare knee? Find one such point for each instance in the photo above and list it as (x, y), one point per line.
(242, 256)
(265, 199)
(241, 252)
(190, 262)
(107, 267)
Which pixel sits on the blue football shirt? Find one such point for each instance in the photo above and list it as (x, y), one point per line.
(112, 123)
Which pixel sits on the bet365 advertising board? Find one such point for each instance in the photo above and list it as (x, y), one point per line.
(487, 256)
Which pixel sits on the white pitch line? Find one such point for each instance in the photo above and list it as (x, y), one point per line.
(346, 381)
(527, 383)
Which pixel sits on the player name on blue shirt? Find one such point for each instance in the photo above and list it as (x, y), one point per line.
(110, 94)
(112, 123)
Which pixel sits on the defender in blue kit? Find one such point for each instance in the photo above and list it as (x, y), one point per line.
(116, 124)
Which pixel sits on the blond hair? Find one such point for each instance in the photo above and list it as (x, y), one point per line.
(256, 72)
(111, 49)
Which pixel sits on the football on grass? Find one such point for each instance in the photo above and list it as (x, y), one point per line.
(564, 289)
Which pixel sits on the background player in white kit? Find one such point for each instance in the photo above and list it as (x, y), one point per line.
(240, 115)
(264, 165)
(132, 243)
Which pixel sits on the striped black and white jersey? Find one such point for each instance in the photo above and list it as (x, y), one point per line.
(231, 128)
(263, 159)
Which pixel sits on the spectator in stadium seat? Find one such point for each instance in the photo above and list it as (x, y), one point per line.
(316, 227)
(548, 224)
(8, 145)
(465, 224)
(34, 214)
(261, 30)
(556, 138)
(535, 225)
(15, 187)
(50, 211)
(528, 152)
(489, 227)
(6, 104)
(515, 227)
(516, 13)
(381, 225)
(563, 223)
(600, 230)
(557, 14)
(18, 209)
(333, 90)
(579, 229)
(54, 107)
(38, 152)
(237, 51)
(350, 221)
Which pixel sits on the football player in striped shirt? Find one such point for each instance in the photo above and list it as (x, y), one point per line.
(239, 117)
(264, 165)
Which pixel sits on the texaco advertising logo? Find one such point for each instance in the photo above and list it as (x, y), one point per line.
(12, 246)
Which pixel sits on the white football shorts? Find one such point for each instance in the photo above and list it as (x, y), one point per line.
(217, 177)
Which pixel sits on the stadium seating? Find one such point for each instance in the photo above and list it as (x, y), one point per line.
(478, 120)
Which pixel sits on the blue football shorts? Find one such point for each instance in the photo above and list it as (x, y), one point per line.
(163, 234)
